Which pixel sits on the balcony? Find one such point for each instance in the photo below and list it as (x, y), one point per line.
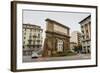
(34, 36)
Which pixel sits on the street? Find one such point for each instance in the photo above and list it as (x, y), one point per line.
(75, 57)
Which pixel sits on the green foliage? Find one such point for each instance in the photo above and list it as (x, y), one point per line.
(77, 48)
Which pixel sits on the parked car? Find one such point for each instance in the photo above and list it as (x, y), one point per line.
(35, 55)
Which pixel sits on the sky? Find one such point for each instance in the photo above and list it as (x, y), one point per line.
(69, 19)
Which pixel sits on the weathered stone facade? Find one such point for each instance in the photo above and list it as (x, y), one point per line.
(32, 38)
(86, 34)
(56, 41)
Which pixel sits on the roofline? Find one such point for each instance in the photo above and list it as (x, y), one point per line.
(84, 19)
(31, 25)
(57, 23)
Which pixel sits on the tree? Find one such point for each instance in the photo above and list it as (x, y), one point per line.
(78, 48)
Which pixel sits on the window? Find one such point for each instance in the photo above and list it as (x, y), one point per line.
(24, 33)
(39, 35)
(83, 37)
(86, 31)
(34, 36)
(30, 36)
(81, 26)
(84, 47)
(24, 38)
(82, 31)
(87, 36)
(24, 42)
(38, 41)
(59, 45)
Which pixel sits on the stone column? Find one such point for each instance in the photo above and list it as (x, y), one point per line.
(54, 50)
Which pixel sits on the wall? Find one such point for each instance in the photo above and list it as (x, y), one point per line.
(60, 29)
(5, 37)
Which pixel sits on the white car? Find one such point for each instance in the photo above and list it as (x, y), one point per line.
(35, 55)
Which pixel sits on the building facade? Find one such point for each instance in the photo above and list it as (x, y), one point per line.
(32, 38)
(57, 38)
(86, 34)
(76, 37)
(72, 46)
(75, 40)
